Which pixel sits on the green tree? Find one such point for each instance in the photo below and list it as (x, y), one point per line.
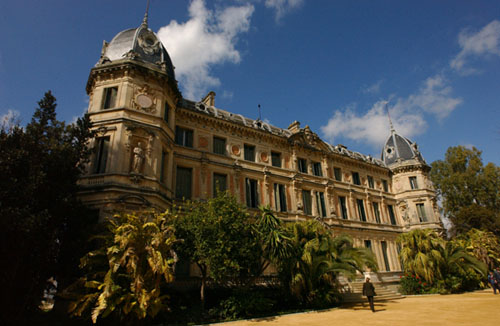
(40, 216)
(470, 191)
(274, 239)
(421, 253)
(481, 244)
(218, 236)
(124, 276)
(311, 272)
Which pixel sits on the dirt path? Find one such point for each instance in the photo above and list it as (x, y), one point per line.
(477, 308)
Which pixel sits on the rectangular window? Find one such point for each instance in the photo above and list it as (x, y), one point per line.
(251, 193)
(183, 183)
(166, 111)
(361, 210)
(392, 216)
(306, 198)
(220, 183)
(371, 184)
(302, 165)
(110, 95)
(249, 153)
(338, 174)
(320, 202)
(343, 208)
(279, 197)
(101, 157)
(385, 185)
(376, 212)
(421, 213)
(355, 178)
(368, 244)
(386, 258)
(317, 169)
(163, 166)
(413, 183)
(276, 159)
(219, 146)
(183, 137)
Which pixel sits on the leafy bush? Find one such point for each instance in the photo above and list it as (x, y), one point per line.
(412, 284)
(243, 304)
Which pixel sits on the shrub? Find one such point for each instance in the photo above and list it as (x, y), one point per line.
(412, 284)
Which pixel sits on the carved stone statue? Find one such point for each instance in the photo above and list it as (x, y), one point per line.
(138, 158)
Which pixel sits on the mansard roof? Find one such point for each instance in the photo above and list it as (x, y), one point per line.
(398, 149)
(295, 135)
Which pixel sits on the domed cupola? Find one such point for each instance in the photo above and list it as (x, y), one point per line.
(398, 149)
(139, 44)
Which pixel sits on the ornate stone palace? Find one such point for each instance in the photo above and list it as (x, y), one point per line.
(154, 147)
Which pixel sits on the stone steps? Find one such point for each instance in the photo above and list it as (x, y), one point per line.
(356, 293)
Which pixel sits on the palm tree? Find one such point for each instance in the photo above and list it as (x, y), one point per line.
(421, 253)
(139, 257)
(274, 238)
(318, 258)
(457, 260)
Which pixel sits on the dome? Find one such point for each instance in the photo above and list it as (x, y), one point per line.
(399, 149)
(138, 44)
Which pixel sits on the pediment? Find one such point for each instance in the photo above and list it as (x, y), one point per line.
(306, 138)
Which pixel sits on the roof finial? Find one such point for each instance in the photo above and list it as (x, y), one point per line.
(389, 115)
(145, 20)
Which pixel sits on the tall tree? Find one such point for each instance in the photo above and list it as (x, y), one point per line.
(218, 236)
(124, 276)
(311, 272)
(470, 191)
(39, 167)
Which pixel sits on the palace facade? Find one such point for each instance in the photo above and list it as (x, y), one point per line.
(153, 148)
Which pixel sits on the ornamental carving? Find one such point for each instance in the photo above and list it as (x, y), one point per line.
(144, 99)
(264, 157)
(235, 149)
(148, 42)
(203, 142)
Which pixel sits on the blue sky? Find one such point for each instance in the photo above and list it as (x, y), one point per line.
(332, 65)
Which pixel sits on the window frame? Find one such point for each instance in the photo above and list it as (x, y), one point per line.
(110, 100)
(307, 201)
(220, 146)
(178, 177)
(102, 154)
(376, 212)
(337, 173)
(371, 183)
(252, 192)
(343, 207)
(392, 214)
(421, 213)
(385, 185)
(249, 150)
(302, 165)
(317, 169)
(361, 209)
(413, 182)
(274, 160)
(280, 197)
(184, 136)
(356, 179)
(320, 203)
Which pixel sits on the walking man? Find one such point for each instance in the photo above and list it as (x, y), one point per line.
(369, 292)
(494, 283)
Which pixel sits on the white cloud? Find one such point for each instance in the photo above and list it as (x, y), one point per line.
(207, 38)
(485, 42)
(282, 7)
(408, 115)
(10, 119)
(374, 88)
(434, 97)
